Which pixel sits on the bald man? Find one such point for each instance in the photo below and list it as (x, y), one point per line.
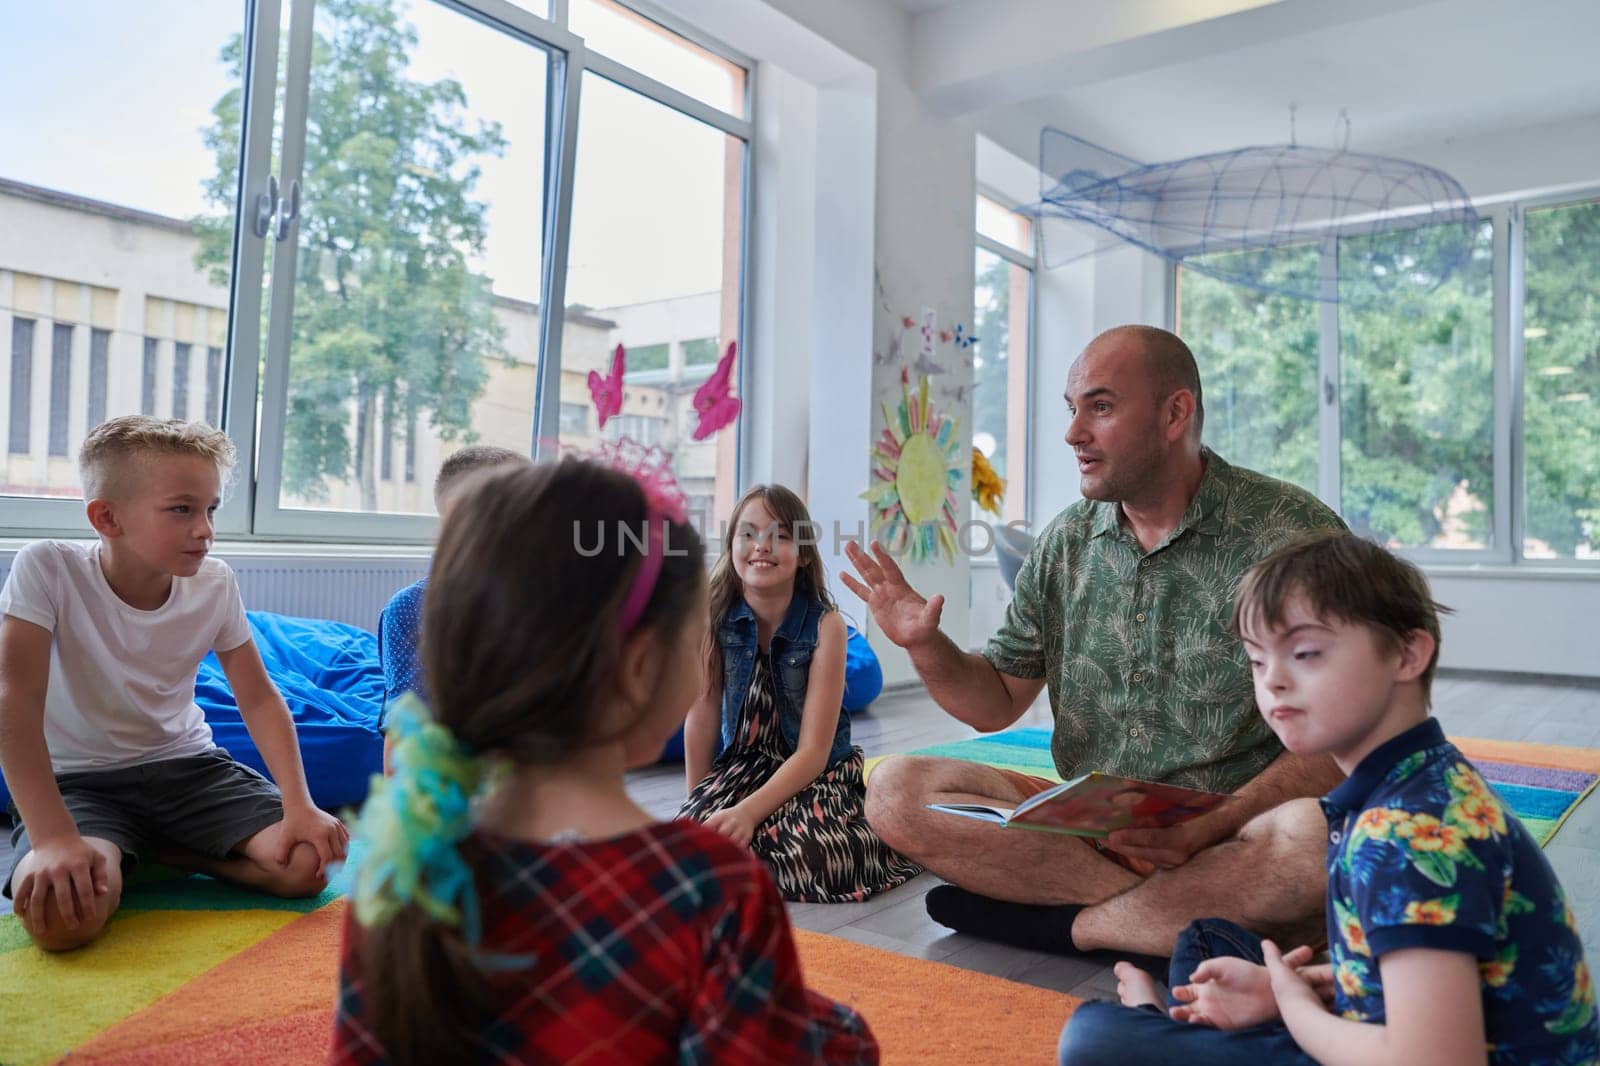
(1121, 612)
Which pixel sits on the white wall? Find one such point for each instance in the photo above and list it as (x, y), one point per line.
(925, 222)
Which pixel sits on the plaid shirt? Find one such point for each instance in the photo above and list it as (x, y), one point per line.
(668, 944)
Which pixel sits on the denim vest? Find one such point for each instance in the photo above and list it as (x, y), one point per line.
(792, 646)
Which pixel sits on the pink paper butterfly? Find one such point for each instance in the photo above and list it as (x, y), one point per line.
(607, 391)
(715, 401)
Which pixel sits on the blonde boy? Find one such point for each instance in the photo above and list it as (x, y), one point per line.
(102, 745)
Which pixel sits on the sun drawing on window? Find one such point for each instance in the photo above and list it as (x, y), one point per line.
(915, 472)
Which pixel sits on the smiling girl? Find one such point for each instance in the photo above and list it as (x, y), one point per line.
(787, 782)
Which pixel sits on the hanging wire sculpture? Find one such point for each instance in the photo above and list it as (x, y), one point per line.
(1246, 216)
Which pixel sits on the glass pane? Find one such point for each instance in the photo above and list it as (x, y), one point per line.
(654, 266)
(416, 323)
(1561, 398)
(1000, 378)
(102, 192)
(1002, 224)
(1258, 356)
(634, 41)
(1417, 396)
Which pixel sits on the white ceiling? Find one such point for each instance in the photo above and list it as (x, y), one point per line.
(917, 7)
(1408, 73)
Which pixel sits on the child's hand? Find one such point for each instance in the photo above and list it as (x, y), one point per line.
(734, 823)
(1320, 978)
(310, 825)
(1293, 990)
(75, 869)
(1230, 993)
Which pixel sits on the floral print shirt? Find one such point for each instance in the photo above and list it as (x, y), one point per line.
(1144, 678)
(1423, 854)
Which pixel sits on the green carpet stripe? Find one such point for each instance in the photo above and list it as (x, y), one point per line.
(12, 936)
(993, 754)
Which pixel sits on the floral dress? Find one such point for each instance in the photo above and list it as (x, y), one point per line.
(818, 845)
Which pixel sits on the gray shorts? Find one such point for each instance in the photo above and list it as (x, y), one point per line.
(206, 803)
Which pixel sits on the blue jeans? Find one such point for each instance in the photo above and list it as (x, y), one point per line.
(1108, 1033)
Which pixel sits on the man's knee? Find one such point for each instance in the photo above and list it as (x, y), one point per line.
(892, 798)
(1288, 844)
(1295, 828)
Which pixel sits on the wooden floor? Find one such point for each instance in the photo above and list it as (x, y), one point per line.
(1544, 711)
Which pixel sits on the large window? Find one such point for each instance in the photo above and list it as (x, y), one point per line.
(1561, 393)
(1258, 367)
(1396, 403)
(99, 185)
(1001, 347)
(659, 262)
(335, 228)
(1417, 400)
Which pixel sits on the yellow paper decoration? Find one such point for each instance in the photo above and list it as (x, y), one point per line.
(988, 487)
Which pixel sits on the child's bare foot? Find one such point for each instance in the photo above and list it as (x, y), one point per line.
(1135, 988)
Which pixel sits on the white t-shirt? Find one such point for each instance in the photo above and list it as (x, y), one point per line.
(121, 688)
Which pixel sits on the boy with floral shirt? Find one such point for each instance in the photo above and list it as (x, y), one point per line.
(1450, 938)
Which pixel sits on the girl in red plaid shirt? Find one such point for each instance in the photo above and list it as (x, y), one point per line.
(512, 903)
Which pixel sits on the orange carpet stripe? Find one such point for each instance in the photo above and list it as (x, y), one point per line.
(296, 1040)
(933, 1014)
(1519, 751)
(285, 976)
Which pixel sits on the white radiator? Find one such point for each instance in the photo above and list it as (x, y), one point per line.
(343, 590)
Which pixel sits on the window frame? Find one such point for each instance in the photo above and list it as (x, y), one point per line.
(1029, 262)
(1507, 214)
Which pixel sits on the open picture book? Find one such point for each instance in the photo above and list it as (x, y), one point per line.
(1095, 804)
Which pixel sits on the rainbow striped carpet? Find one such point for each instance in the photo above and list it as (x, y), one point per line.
(1543, 783)
(192, 972)
(195, 971)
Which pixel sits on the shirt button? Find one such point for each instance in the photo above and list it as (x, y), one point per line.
(1133, 731)
(1137, 677)
(1139, 617)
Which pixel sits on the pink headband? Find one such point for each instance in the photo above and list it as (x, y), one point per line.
(644, 582)
(665, 502)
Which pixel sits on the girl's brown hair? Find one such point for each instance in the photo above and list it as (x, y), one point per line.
(519, 639)
(811, 577)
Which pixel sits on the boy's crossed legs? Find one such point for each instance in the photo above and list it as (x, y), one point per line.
(206, 813)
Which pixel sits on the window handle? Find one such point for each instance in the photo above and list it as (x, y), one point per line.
(1329, 393)
(266, 207)
(288, 209)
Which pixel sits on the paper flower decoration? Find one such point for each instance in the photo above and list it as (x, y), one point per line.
(915, 473)
(988, 487)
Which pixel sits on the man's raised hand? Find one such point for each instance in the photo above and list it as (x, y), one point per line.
(905, 617)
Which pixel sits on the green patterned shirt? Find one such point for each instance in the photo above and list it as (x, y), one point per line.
(1144, 678)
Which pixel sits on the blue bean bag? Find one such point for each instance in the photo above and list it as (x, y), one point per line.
(863, 680)
(329, 676)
